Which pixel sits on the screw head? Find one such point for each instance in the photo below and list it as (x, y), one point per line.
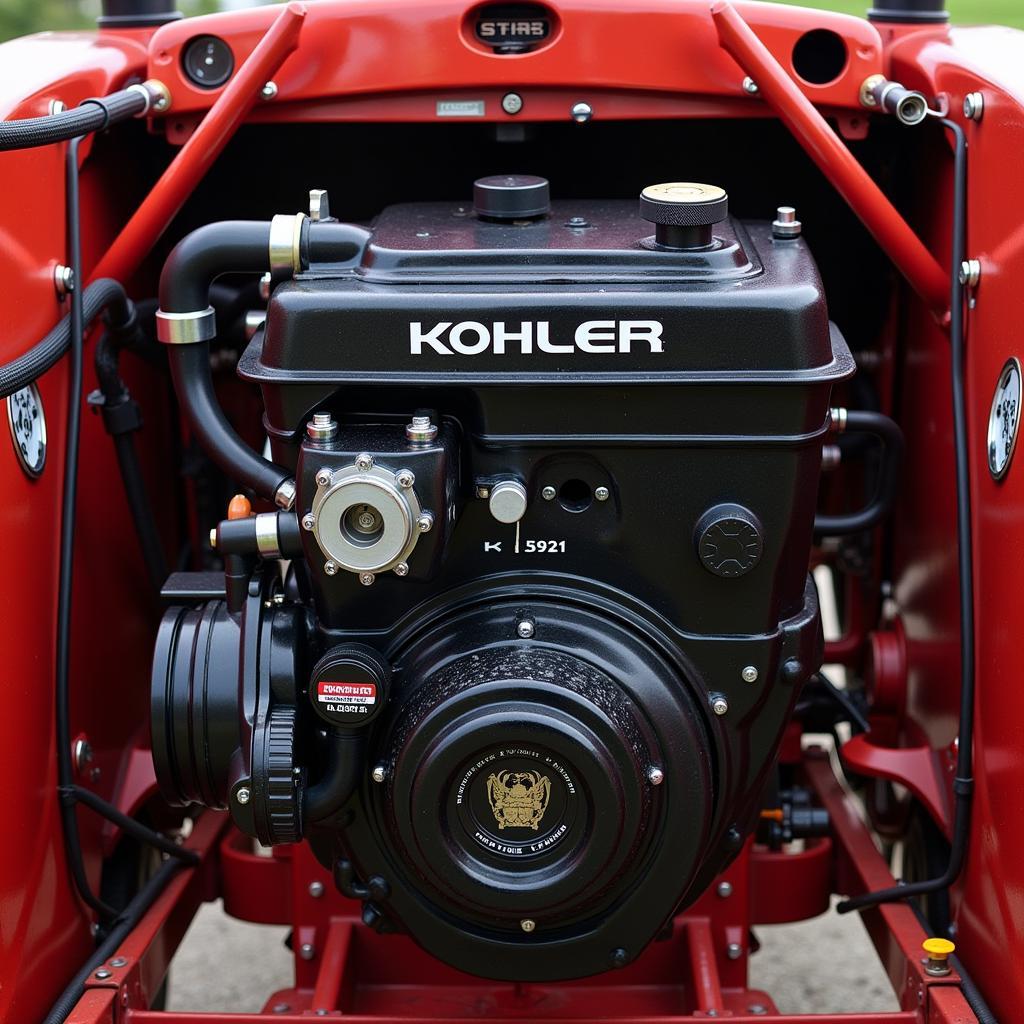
(323, 478)
(655, 776)
(379, 773)
(524, 629)
(734, 951)
(425, 523)
(974, 106)
(331, 568)
(63, 280)
(119, 961)
(307, 951)
(102, 974)
(724, 890)
(548, 493)
(367, 578)
(316, 889)
(602, 493)
(750, 86)
(528, 925)
(512, 103)
(82, 753)
(242, 795)
(581, 112)
(281, 1008)
(406, 478)
(364, 462)
(970, 273)
(749, 674)
(308, 522)
(269, 91)
(758, 1009)
(402, 569)
(719, 705)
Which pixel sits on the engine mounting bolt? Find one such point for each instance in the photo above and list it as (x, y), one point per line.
(548, 493)
(331, 568)
(425, 522)
(307, 951)
(63, 280)
(402, 569)
(367, 578)
(938, 950)
(528, 925)
(323, 478)
(749, 85)
(511, 103)
(242, 795)
(581, 112)
(655, 776)
(308, 521)
(102, 974)
(970, 273)
(785, 224)
(749, 674)
(321, 427)
(364, 462)
(974, 106)
(406, 478)
(602, 493)
(724, 890)
(420, 429)
(734, 951)
(316, 889)
(524, 629)
(719, 704)
(379, 773)
(269, 91)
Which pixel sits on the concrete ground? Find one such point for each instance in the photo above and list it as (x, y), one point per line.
(827, 965)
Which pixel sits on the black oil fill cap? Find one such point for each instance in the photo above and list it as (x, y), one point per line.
(683, 213)
(510, 197)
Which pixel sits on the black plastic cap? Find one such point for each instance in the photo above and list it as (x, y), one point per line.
(511, 197)
(137, 13)
(684, 204)
(922, 12)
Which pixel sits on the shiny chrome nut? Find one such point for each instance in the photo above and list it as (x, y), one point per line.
(364, 461)
(367, 579)
(425, 523)
(402, 569)
(331, 568)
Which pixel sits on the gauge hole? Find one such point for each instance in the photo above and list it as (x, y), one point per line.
(820, 56)
(575, 496)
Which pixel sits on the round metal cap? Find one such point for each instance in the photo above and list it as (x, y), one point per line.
(511, 197)
(684, 204)
(508, 501)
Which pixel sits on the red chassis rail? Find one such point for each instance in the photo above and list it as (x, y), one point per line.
(364, 978)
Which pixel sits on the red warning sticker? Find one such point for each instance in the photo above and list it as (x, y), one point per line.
(351, 694)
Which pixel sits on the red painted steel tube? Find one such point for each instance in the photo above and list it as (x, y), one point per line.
(827, 150)
(187, 169)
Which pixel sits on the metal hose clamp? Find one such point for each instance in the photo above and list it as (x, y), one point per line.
(286, 244)
(267, 542)
(186, 328)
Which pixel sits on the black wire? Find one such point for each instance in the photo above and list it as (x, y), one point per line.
(91, 115)
(963, 784)
(844, 700)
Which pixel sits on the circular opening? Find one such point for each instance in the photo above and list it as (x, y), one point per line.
(820, 56)
(575, 496)
(362, 525)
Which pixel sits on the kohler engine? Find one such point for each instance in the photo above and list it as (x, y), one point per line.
(517, 649)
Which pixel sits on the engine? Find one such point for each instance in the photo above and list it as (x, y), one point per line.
(517, 645)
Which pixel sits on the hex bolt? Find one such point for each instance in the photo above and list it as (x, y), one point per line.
(379, 773)
(734, 951)
(577, 222)
(719, 704)
(483, 491)
(307, 951)
(406, 478)
(425, 522)
(750, 86)
(602, 493)
(319, 204)
(974, 106)
(939, 950)
(420, 430)
(402, 569)
(316, 889)
(785, 225)
(331, 568)
(269, 91)
(511, 103)
(364, 462)
(242, 795)
(367, 578)
(548, 493)
(321, 427)
(524, 629)
(528, 925)
(655, 776)
(581, 112)
(323, 478)
(102, 974)
(63, 280)
(749, 674)
(724, 890)
(308, 521)
(970, 273)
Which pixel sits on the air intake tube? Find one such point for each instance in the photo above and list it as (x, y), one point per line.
(186, 322)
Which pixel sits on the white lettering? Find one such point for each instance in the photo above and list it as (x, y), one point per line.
(432, 338)
(593, 331)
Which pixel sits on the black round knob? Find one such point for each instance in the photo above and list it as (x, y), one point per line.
(683, 212)
(208, 61)
(730, 540)
(511, 197)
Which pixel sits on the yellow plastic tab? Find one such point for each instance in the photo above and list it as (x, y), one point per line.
(938, 949)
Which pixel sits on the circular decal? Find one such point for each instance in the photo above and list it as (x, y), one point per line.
(28, 428)
(1004, 419)
(516, 801)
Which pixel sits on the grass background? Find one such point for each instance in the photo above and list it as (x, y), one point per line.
(964, 12)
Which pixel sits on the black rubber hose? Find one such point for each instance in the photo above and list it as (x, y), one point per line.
(123, 925)
(868, 517)
(102, 294)
(344, 765)
(963, 783)
(92, 115)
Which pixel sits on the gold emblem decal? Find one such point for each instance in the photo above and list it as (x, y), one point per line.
(518, 799)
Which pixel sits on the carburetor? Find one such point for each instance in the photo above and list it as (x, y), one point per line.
(546, 476)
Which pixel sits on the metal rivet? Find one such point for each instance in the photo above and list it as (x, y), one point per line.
(512, 103)
(269, 91)
(749, 674)
(323, 478)
(734, 951)
(316, 889)
(527, 925)
(724, 890)
(602, 493)
(524, 629)
(331, 568)
(242, 796)
(719, 704)
(581, 112)
(655, 776)
(364, 462)
(307, 951)
(974, 106)
(119, 961)
(548, 493)
(379, 773)
(402, 569)
(367, 578)
(425, 523)
(102, 974)
(749, 85)
(308, 522)
(406, 478)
